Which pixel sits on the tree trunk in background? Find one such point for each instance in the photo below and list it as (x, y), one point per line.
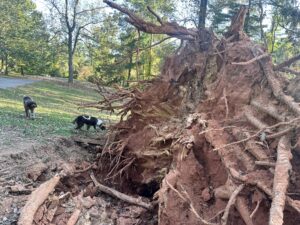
(261, 17)
(22, 71)
(150, 58)
(138, 57)
(70, 59)
(6, 64)
(2, 63)
(273, 31)
(129, 70)
(248, 17)
(202, 13)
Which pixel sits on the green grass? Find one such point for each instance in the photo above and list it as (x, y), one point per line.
(56, 109)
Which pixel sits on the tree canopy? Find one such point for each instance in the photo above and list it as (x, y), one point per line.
(86, 40)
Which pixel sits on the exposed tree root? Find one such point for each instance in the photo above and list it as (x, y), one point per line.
(255, 209)
(270, 110)
(265, 163)
(74, 217)
(241, 206)
(210, 111)
(231, 202)
(281, 181)
(255, 121)
(36, 199)
(188, 200)
(120, 195)
(252, 60)
(275, 85)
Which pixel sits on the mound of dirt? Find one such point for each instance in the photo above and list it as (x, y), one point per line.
(22, 171)
(208, 142)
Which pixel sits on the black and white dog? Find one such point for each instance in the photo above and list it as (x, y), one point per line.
(29, 106)
(88, 121)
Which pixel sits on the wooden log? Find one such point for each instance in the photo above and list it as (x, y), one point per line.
(36, 199)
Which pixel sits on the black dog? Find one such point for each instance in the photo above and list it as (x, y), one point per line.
(89, 121)
(29, 106)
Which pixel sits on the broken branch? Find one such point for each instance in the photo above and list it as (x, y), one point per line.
(36, 199)
(171, 29)
(120, 195)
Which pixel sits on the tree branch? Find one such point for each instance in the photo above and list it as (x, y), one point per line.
(66, 16)
(140, 49)
(155, 14)
(171, 29)
(287, 62)
(288, 70)
(90, 10)
(119, 195)
(57, 8)
(74, 14)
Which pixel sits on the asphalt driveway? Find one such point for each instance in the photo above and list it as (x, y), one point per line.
(14, 82)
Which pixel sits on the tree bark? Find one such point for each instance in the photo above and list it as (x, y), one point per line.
(247, 18)
(22, 71)
(129, 70)
(287, 63)
(2, 63)
(6, 64)
(261, 17)
(150, 58)
(170, 28)
(138, 57)
(70, 58)
(202, 13)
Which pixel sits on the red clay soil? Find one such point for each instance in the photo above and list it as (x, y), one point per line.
(203, 139)
(175, 138)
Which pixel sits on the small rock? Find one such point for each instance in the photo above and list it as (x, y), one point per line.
(36, 171)
(206, 194)
(94, 212)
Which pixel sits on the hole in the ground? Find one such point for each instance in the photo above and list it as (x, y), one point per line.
(148, 190)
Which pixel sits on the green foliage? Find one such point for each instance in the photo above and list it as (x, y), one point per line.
(23, 37)
(115, 52)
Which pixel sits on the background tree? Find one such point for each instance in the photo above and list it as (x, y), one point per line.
(23, 38)
(74, 16)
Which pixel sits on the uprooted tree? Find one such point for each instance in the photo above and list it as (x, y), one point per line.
(214, 139)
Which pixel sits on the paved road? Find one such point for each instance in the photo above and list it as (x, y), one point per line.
(13, 82)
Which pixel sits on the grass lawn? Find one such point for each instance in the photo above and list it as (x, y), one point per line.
(56, 110)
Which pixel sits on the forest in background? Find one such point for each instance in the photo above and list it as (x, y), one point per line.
(87, 40)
